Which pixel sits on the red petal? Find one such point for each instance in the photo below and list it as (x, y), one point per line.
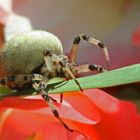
(21, 103)
(40, 106)
(53, 131)
(116, 116)
(120, 120)
(29, 125)
(67, 113)
(83, 105)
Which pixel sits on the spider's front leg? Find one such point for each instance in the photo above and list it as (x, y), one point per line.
(53, 109)
(75, 46)
(40, 88)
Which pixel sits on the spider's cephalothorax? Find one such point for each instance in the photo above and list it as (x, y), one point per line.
(57, 66)
(32, 58)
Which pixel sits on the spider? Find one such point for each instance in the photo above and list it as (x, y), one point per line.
(32, 58)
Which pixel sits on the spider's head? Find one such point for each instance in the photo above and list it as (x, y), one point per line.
(59, 66)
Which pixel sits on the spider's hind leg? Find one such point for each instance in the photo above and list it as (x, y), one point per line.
(90, 67)
(75, 47)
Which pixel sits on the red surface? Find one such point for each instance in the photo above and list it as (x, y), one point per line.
(94, 114)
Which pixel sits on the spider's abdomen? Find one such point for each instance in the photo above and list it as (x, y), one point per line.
(24, 52)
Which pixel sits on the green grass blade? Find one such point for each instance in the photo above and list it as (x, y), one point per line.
(125, 75)
(121, 76)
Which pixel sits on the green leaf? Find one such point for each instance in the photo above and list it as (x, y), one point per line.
(121, 76)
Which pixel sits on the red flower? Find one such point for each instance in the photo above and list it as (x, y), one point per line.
(93, 115)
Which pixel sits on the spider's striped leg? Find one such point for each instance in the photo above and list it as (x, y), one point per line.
(7, 79)
(61, 97)
(37, 80)
(75, 46)
(90, 67)
(47, 98)
(54, 111)
(18, 81)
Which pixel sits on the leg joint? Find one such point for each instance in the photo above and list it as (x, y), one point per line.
(56, 114)
(96, 67)
(79, 37)
(101, 45)
(85, 37)
(76, 40)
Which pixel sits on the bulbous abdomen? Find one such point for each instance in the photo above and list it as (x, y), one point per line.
(24, 52)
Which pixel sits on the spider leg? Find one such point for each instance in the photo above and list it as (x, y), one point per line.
(61, 98)
(4, 80)
(90, 67)
(40, 89)
(10, 78)
(37, 79)
(54, 111)
(67, 69)
(75, 46)
(18, 81)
